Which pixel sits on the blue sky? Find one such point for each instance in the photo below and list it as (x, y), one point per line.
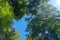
(21, 25)
(55, 3)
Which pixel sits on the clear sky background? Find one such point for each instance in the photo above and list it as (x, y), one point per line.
(21, 25)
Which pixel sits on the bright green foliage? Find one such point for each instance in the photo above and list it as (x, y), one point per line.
(6, 17)
(44, 24)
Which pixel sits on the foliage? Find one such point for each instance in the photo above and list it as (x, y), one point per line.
(30, 38)
(21, 7)
(10, 9)
(44, 26)
(6, 17)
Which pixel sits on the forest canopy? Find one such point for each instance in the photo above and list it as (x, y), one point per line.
(45, 25)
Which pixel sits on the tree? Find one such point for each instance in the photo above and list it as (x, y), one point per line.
(44, 26)
(6, 16)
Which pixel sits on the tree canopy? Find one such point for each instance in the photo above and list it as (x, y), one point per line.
(43, 26)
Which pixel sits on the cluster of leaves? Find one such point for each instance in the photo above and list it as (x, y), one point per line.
(10, 34)
(19, 8)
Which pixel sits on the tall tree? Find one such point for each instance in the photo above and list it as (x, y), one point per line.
(44, 26)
